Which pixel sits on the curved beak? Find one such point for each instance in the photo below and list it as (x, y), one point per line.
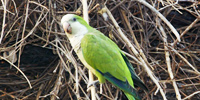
(67, 28)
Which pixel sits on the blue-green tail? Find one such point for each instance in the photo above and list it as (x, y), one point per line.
(129, 91)
(131, 97)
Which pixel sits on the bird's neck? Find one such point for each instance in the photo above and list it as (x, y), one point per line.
(76, 37)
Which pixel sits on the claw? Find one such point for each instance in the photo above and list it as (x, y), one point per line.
(92, 83)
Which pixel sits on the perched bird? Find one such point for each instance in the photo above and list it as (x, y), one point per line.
(105, 58)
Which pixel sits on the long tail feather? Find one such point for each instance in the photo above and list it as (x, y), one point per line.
(128, 90)
(130, 97)
(135, 78)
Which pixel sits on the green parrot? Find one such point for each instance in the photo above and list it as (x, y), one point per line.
(104, 57)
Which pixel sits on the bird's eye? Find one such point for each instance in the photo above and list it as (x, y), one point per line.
(74, 19)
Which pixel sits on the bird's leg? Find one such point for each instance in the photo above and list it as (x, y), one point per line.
(92, 83)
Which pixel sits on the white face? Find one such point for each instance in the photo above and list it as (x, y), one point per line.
(77, 29)
(74, 24)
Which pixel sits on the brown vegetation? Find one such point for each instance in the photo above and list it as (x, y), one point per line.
(37, 61)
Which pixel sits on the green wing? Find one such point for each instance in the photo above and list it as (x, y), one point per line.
(106, 58)
(104, 55)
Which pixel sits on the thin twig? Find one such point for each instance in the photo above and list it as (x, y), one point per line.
(148, 70)
(187, 29)
(196, 92)
(18, 70)
(185, 60)
(161, 17)
(168, 62)
(4, 3)
(91, 78)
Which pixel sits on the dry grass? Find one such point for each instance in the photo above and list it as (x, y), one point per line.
(37, 61)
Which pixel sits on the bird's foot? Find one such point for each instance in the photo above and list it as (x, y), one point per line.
(93, 83)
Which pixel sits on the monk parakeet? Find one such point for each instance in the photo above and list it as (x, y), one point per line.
(104, 57)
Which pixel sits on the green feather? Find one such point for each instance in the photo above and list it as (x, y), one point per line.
(135, 78)
(104, 56)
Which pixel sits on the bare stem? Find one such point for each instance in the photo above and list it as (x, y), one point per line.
(91, 78)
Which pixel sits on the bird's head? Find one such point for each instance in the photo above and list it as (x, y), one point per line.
(73, 24)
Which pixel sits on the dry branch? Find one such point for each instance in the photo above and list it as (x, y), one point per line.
(32, 41)
(148, 70)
